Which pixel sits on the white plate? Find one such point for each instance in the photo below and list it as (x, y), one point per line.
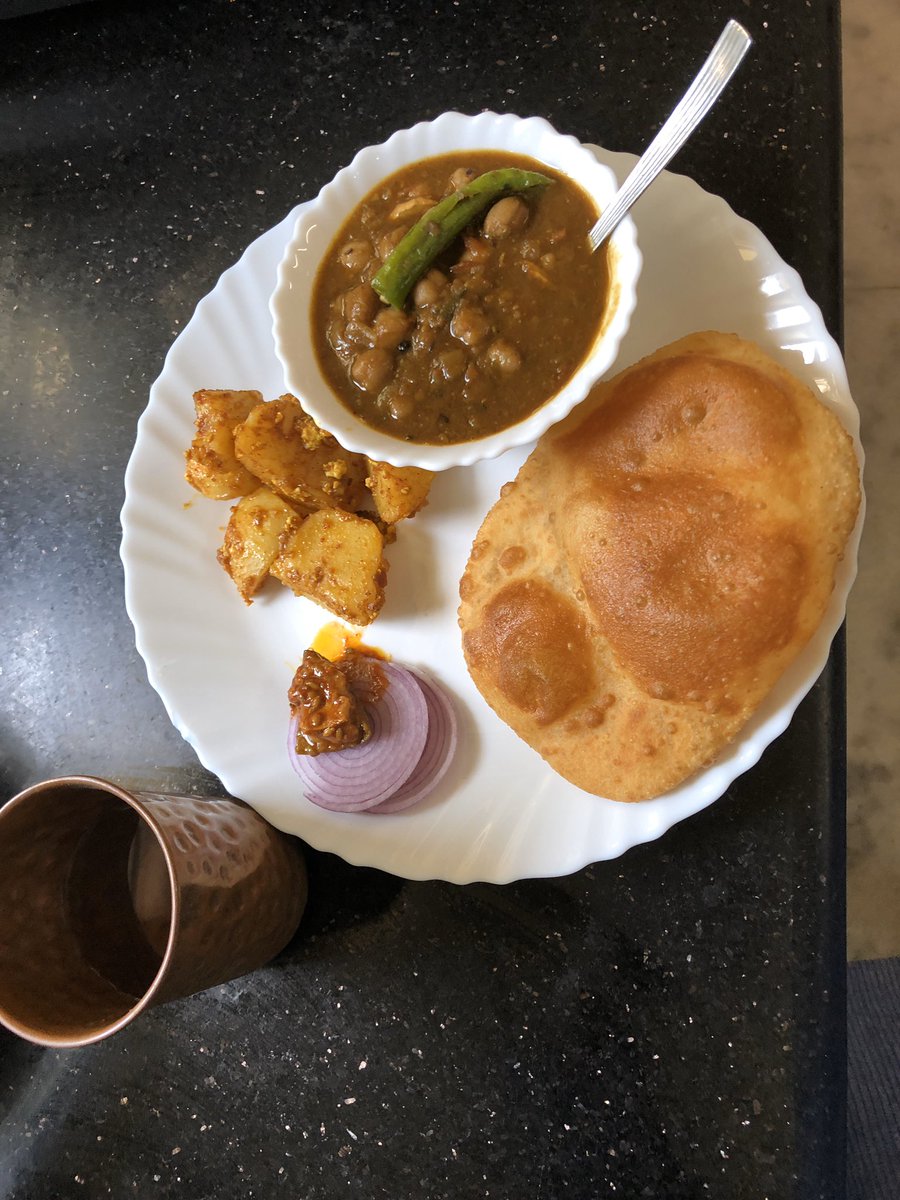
(223, 669)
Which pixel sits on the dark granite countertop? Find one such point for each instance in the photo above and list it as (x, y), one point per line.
(670, 1024)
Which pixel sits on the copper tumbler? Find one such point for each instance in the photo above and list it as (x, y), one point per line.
(112, 901)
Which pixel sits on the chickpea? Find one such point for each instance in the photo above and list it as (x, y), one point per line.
(450, 365)
(355, 256)
(388, 241)
(507, 216)
(460, 177)
(337, 339)
(473, 392)
(469, 325)
(421, 188)
(504, 357)
(391, 327)
(358, 334)
(477, 250)
(360, 303)
(372, 369)
(429, 288)
(411, 208)
(474, 278)
(400, 405)
(423, 339)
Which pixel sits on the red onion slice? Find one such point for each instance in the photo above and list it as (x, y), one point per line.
(439, 749)
(360, 777)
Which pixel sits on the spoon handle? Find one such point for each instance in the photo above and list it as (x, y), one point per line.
(723, 61)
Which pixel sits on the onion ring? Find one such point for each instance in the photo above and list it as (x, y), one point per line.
(439, 749)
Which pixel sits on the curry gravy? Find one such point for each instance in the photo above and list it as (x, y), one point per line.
(496, 326)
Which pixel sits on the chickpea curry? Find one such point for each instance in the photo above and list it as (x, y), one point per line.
(495, 317)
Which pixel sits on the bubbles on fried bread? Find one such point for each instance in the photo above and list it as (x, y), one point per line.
(512, 557)
(693, 413)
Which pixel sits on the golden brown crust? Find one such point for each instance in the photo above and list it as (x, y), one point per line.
(682, 530)
(210, 463)
(286, 450)
(527, 635)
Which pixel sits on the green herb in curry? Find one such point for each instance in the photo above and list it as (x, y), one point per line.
(437, 228)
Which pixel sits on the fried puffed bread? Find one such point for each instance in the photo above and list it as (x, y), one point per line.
(661, 557)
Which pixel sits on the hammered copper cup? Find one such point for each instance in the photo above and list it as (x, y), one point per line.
(112, 901)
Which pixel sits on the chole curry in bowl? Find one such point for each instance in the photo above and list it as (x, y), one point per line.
(439, 302)
(492, 327)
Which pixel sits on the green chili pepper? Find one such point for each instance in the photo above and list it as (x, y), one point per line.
(437, 228)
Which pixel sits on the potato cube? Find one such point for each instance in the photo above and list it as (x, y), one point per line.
(287, 451)
(212, 467)
(257, 532)
(335, 559)
(398, 492)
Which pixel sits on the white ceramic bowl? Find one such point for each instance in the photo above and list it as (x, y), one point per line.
(318, 223)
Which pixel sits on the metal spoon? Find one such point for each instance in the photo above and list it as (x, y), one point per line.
(723, 61)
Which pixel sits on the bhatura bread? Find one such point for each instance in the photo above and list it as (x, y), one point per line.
(662, 556)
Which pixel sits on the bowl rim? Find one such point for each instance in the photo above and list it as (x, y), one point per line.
(318, 221)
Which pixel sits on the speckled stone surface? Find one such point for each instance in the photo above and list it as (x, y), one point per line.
(670, 1024)
(872, 270)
